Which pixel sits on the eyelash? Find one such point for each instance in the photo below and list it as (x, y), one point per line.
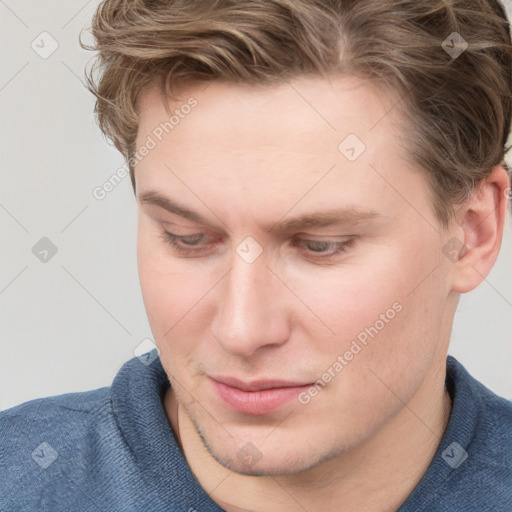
(191, 250)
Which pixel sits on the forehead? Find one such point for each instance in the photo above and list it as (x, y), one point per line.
(277, 142)
(249, 126)
(334, 108)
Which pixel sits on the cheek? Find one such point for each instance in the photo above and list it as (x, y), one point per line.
(175, 297)
(386, 316)
(159, 284)
(353, 296)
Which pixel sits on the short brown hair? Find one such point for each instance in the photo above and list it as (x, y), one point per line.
(458, 108)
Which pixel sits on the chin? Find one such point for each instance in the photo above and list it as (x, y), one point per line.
(272, 460)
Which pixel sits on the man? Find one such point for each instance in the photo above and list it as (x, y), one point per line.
(317, 183)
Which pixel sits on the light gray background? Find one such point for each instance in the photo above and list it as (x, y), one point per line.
(70, 323)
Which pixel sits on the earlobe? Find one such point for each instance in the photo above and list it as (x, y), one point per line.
(480, 231)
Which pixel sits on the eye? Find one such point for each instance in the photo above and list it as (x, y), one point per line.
(320, 246)
(199, 243)
(189, 239)
(186, 244)
(319, 249)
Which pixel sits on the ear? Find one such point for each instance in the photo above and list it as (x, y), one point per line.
(477, 238)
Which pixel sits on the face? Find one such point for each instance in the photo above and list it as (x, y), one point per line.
(293, 277)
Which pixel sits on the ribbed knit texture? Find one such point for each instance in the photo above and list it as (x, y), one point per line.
(112, 449)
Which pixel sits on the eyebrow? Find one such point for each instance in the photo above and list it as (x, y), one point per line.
(152, 197)
(318, 219)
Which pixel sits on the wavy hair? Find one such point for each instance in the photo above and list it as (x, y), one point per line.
(458, 110)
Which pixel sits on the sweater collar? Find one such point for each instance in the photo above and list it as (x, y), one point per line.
(137, 395)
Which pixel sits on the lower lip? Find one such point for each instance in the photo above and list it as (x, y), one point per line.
(257, 403)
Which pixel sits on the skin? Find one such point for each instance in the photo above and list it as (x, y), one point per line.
(246, 159)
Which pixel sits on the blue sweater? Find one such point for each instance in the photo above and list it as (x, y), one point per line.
(112, 449)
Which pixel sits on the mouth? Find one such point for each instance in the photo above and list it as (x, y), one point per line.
(258, 397)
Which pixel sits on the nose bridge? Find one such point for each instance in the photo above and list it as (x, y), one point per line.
(249, 314)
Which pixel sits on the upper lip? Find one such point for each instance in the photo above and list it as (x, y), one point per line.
(257, 385)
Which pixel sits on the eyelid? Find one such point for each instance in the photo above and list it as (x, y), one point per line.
(340, 245)
(327, 237)
(179, 231)
(172, 225)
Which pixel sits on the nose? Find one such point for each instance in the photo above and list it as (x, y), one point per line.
(251, 312)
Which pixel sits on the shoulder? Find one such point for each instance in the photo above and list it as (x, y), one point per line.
(55, 413)
(106, 449)
(490, 445)
(489, 415)
(472, 468)
(50, 441)
(79, 402)
(481, 473)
